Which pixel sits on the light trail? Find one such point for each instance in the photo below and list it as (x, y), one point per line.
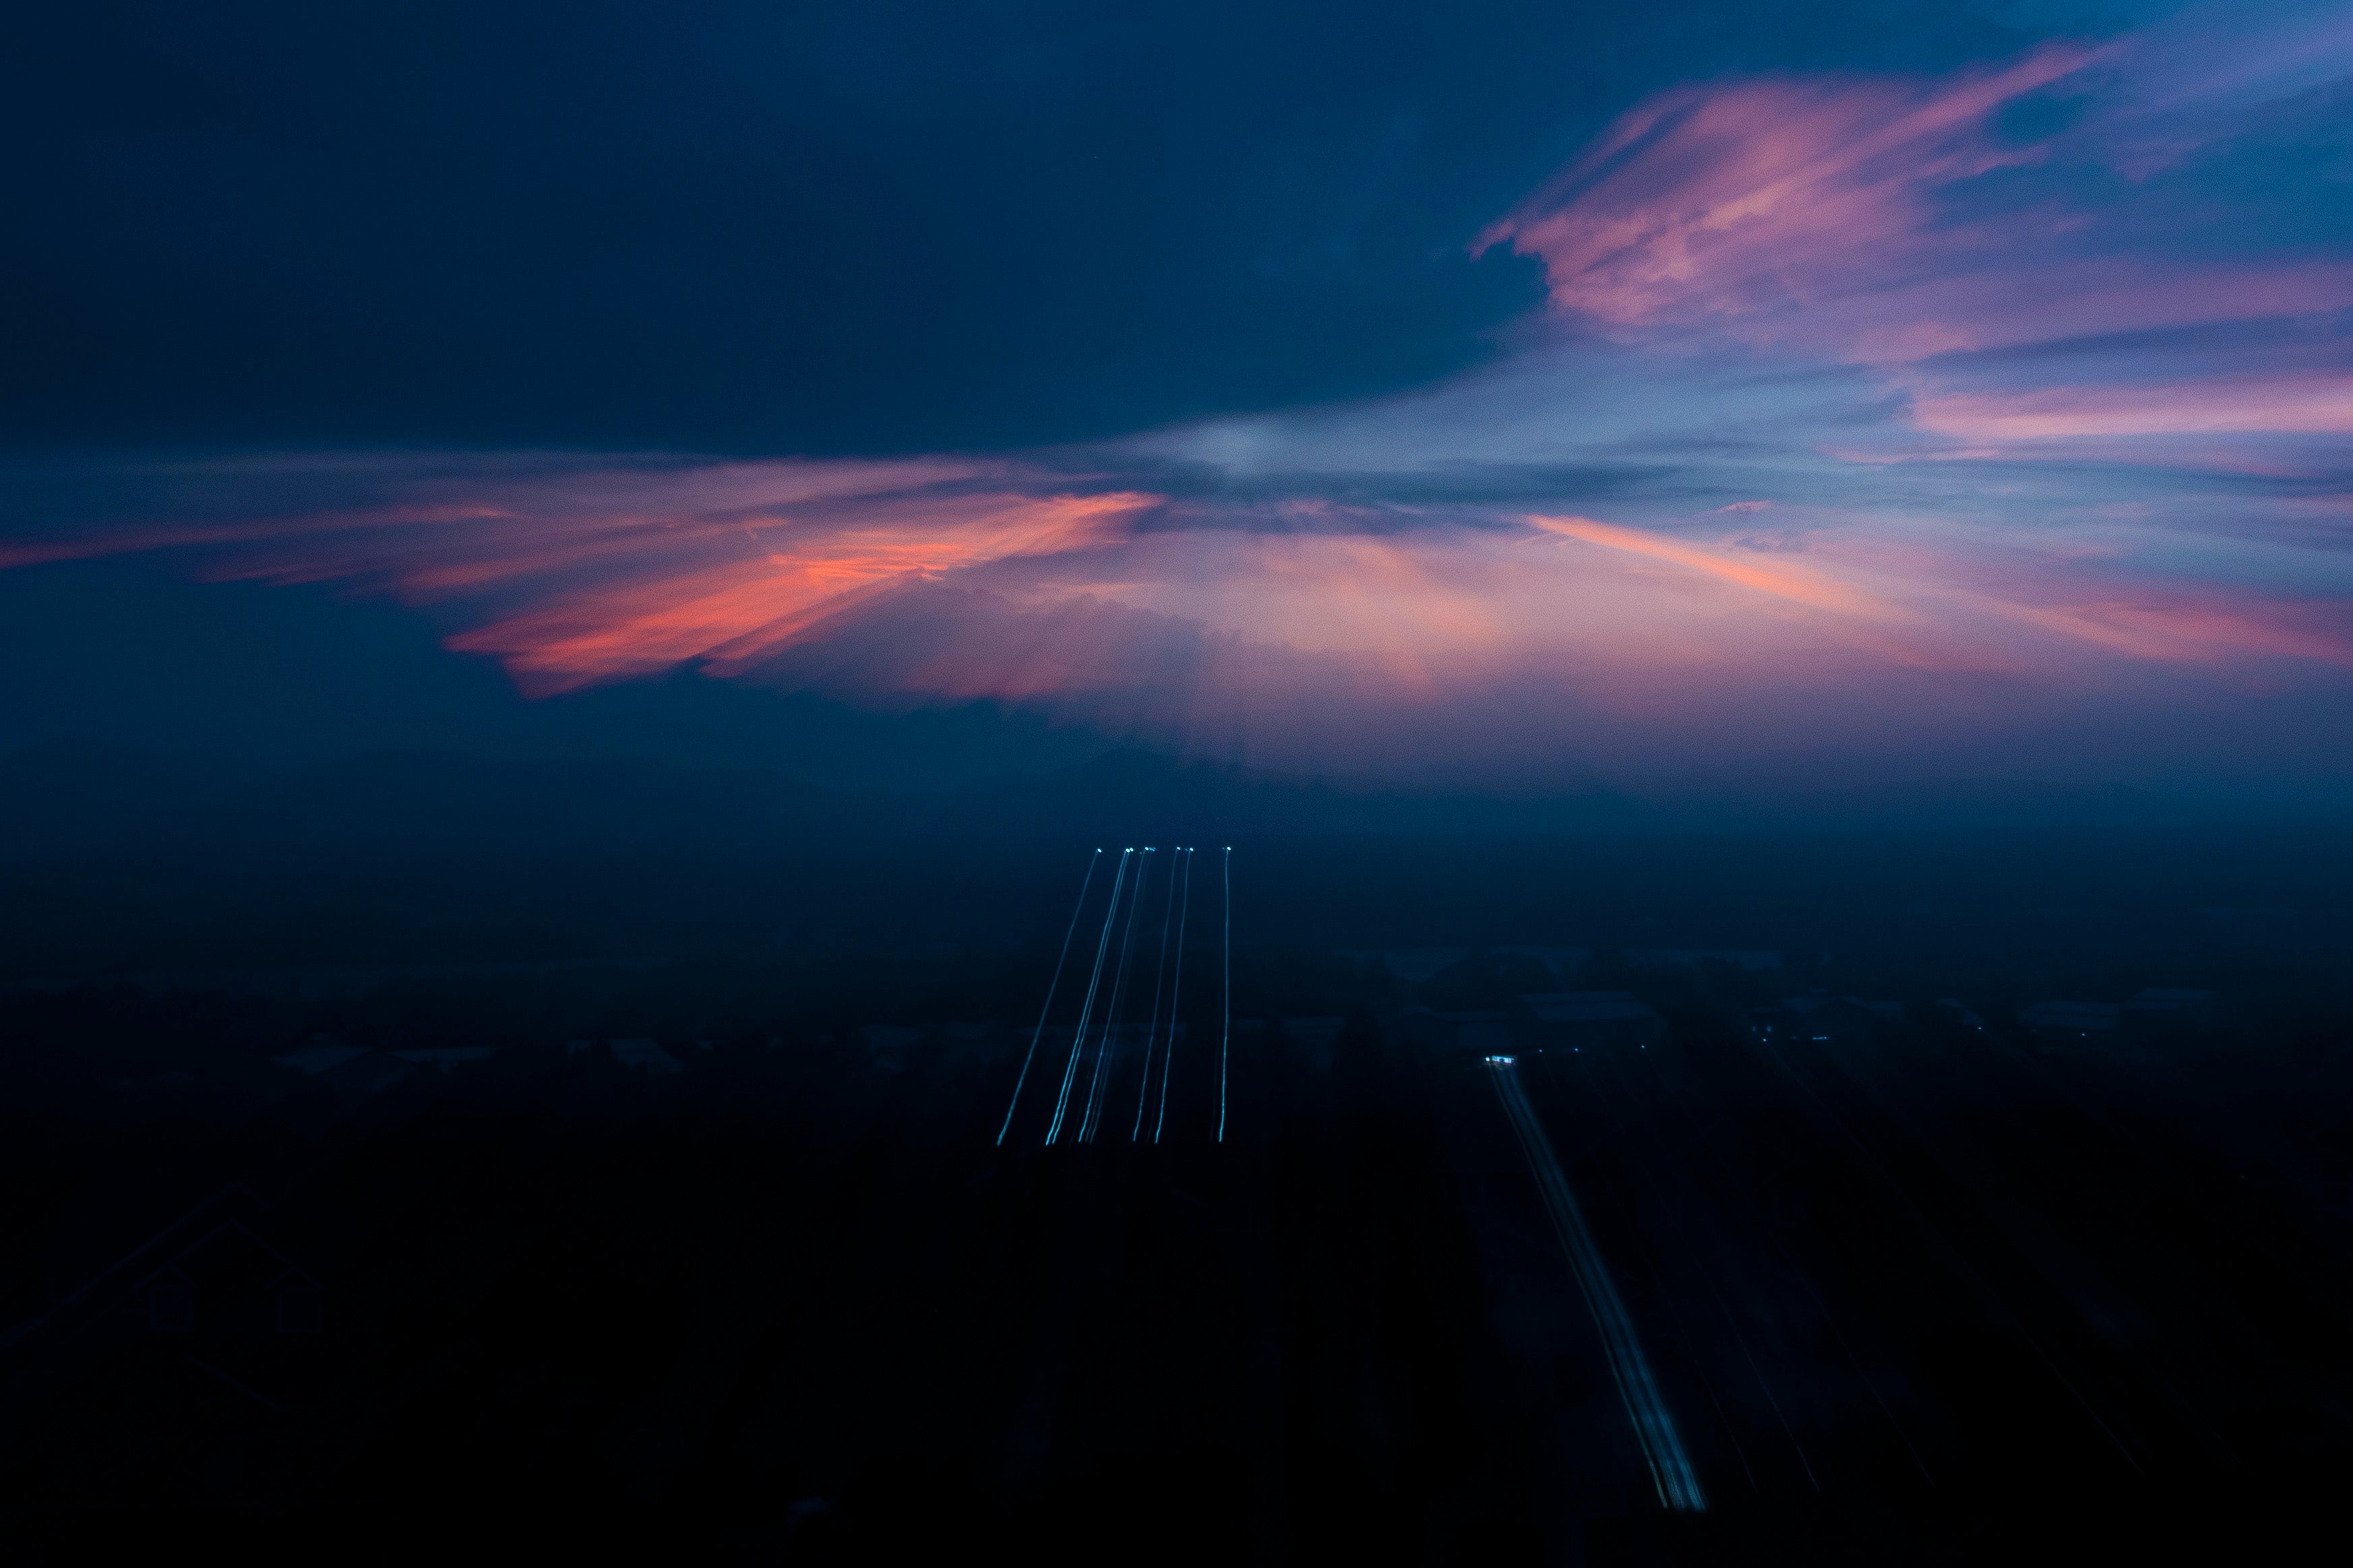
(1226, 1040)
(1098, 1085)
(1078, 1040)
(1655, 1425)
(1039, 1032)
(1176, 991)
(1111, 1004)
(1159, 977)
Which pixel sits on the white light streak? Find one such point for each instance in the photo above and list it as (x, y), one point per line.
(1099, 1082)
(1176, 991)
(1152, 1030)
(1226, 1040)
(1079, 1039)
(1654, 1426)
(1039, 1032)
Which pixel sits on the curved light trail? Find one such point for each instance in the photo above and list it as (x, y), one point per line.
(1654, 1424)
(1176, 992)
(1226, 1040)
(1159, 979)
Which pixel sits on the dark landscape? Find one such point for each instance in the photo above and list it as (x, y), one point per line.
(654, 1196)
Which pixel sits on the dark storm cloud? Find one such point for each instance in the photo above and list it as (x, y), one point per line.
(819, 228)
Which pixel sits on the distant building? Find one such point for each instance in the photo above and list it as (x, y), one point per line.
(1420, 964)
(2072, 1020)
(1477, 1034)
(1845, 1020)
(313, 1060)
(444, 1056)
(2151, 1014)
(891, 1046)
(976, 1042)
(1754, 960)
(1594, 1020)
(351, 1072)
(1952, 1008)
(644, 1055)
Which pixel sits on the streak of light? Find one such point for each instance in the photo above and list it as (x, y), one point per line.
(1079, 1039)
(1624, 1111)
(1159, 977)
(1655, 1425)
(1039, 1032)
(1226, 1040)
(1176, 992)
(1099, 1084)
(1111, 1005)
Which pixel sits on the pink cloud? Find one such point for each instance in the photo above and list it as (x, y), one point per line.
(1828, 216)
(2198, 628)
(1738, 199)
(1797, 584)
(745, 608)
(1805, 211)
(2293, 404)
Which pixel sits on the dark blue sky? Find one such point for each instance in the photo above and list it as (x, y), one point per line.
(1678, 399)
(761, 228)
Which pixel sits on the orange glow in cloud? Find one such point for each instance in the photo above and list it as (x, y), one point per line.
(1783, 581)
(1427, 645)
(739, 610)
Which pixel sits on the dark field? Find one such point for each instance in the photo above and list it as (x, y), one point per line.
(1934, 1288)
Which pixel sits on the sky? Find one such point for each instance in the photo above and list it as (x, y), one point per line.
(1718, 400)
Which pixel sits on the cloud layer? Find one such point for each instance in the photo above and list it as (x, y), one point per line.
(1992, 422)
